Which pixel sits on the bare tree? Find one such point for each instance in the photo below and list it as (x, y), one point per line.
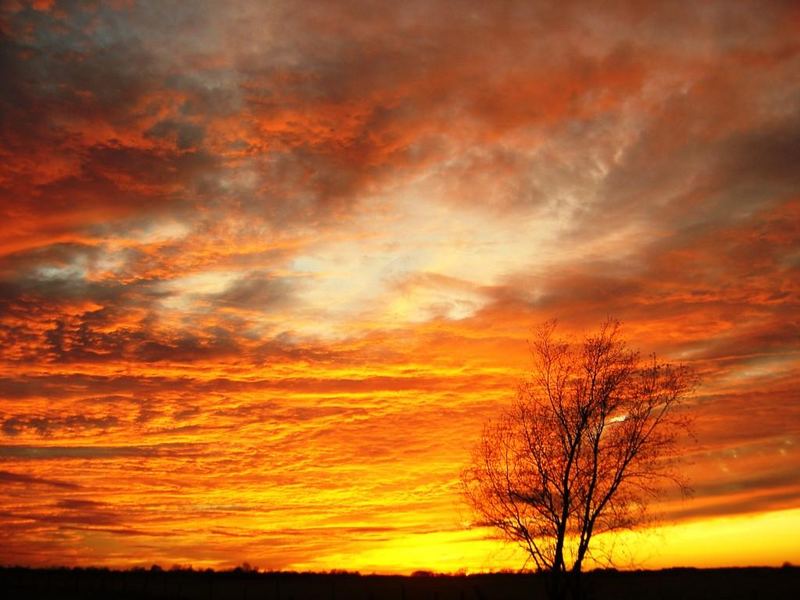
(592, 437)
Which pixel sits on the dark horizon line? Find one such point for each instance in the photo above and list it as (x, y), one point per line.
(417, 573)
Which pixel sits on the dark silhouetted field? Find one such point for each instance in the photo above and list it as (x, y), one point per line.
(678, 584)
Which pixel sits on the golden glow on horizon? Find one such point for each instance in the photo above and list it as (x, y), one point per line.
(710, 543)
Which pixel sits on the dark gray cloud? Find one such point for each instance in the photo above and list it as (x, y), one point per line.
(49, 425)
(779, 498)
(8, 477)
(26, 452)
(256, 291)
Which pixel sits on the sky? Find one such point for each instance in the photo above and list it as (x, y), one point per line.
(267, 268)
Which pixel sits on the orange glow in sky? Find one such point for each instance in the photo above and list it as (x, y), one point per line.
(266, 269)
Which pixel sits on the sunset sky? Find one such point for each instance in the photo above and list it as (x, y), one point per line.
(266, 268)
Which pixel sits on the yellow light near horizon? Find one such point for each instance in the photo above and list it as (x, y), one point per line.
(764, 539)
(757, 539)
(768, 539)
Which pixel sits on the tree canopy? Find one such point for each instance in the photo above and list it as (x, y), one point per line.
(591, 439)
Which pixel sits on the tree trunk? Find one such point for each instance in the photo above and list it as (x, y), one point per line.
(575, 585)
(556, 584)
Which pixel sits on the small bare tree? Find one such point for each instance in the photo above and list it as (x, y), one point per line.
(590, 440)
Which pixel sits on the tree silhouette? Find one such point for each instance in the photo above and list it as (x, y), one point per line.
(591, 438)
